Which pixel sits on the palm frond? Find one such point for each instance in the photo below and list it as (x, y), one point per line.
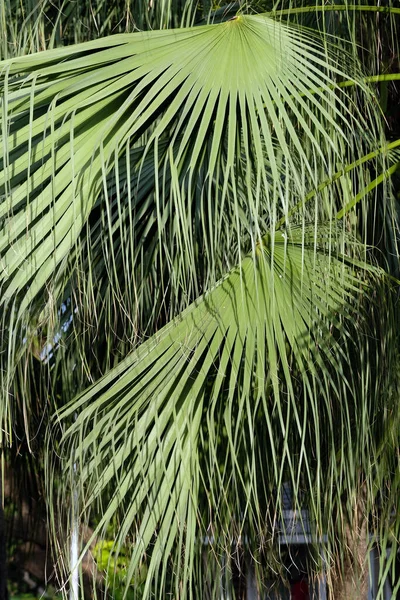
(135, 171)
(65, 126)
(164, 435)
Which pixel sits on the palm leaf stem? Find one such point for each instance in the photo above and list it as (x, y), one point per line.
(367, 157)
(333, 8)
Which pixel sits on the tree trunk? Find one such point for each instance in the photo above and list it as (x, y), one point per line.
(351, 582)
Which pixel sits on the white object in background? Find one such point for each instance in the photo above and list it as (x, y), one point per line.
(73, 593)
(74, 546)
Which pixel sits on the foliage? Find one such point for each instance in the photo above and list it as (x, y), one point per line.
(198, 261)
(115, 569)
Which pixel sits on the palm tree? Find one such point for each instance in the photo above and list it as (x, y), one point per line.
(192, 248)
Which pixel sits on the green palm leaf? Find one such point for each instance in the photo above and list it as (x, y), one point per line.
(261, 344)
(69, 112)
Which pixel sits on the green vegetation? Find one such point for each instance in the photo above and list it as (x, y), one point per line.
(199, 287)
(115, 568)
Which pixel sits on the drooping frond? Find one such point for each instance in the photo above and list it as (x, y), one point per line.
(191, 437)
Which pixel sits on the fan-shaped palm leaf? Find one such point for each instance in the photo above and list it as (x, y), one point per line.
(65, 122)
(260, 347)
